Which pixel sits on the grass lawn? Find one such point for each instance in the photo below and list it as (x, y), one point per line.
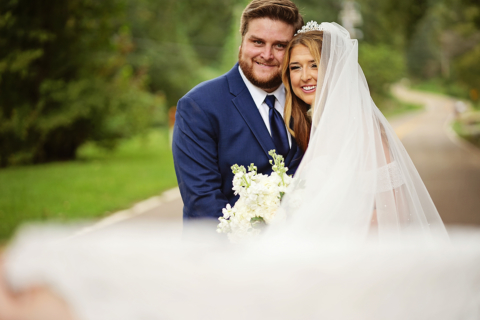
(99, 183)
(392, 107)
(441, 87)
(403, 107)
(468, 129)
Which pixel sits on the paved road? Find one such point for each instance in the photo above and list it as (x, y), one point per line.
(449, 167)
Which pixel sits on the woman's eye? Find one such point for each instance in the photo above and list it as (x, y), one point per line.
(294, 68)
(314, 65)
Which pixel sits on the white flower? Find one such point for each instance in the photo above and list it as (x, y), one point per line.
(259, 199)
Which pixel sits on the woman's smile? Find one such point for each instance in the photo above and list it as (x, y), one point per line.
(309, 89)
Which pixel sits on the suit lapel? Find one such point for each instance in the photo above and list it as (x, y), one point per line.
(249, 111)
(291, 154)
(295, 151)
(245, 105)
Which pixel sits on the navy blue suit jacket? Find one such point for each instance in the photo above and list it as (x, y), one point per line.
(217, 125)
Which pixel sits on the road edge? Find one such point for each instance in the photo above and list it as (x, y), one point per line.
(137, 209)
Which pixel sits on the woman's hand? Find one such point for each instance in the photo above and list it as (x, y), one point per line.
(6, 298)
(37, 303)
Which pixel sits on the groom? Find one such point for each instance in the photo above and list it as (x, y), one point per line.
(237, 118)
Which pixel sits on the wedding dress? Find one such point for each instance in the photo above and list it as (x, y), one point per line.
(361, 238)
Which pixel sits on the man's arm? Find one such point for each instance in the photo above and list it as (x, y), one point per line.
(195, 154)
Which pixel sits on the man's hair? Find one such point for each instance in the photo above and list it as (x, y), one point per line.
(283, 10)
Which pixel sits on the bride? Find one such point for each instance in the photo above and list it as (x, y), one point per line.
(356, 175)
(362, 239)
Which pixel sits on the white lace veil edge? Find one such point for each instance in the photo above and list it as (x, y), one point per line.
(356, 177)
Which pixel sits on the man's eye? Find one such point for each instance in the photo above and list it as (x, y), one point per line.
(257, 42)
(281, 46)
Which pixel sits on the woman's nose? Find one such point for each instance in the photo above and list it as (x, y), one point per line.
(305, 75)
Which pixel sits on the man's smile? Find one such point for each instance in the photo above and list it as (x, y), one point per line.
(266, 65)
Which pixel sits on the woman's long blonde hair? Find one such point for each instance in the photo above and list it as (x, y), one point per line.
(295, 108)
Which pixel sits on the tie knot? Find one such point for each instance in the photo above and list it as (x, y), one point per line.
(270, 101)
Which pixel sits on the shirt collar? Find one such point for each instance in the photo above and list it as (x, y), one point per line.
(259, 95)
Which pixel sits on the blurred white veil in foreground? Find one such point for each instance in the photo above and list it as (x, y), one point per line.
(143, 272)
(328, 260)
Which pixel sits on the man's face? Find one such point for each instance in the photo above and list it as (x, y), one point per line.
(262, 50)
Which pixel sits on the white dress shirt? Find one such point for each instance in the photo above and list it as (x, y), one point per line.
(259, 95)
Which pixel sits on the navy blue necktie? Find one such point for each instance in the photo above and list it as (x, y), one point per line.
(277, 127)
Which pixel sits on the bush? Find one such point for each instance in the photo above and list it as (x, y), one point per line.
(467, 126)
(468, 72)
(382, 66)
(66, 80)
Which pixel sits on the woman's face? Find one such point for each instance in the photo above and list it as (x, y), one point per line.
(303, 73)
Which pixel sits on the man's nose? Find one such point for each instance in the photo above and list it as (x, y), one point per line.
(267, 53)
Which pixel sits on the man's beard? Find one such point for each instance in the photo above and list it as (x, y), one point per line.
(270, 84)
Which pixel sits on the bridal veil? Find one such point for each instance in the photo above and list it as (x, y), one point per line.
(356, 179)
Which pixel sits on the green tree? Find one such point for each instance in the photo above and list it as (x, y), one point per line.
(64, 79)
(319, 10)
(469, 68)
(180, 42)
(382, 66)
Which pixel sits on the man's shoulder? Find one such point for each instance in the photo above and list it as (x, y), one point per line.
(215, 88)
(209, 87)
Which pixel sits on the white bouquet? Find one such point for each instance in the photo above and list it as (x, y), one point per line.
(259, 200)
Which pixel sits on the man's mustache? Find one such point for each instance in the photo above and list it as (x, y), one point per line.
(267, 63)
